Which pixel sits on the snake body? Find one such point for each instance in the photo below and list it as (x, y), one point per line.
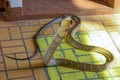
(68, 27)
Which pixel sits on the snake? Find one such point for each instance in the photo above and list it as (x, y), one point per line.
(69, 25)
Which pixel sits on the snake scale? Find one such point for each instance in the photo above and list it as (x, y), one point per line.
(69, 25)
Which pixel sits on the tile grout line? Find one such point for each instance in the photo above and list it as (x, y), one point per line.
(45, 38)
(21, 78)
(58, 72)
(9, 33)
(91, 41)
(23, 68)
(13, 46)
(16, 61)
(5, 67)
(26, 50)
(45, 68)
(112, 41)
(85, 75)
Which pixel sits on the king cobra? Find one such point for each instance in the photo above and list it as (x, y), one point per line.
(69, 25)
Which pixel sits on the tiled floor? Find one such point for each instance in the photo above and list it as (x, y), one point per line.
(16, 40)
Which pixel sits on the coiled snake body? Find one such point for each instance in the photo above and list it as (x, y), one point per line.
(68, 27)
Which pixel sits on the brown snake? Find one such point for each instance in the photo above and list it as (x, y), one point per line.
(69, 26)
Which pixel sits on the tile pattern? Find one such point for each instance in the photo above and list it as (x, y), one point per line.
(16, 40)
(97, 38)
